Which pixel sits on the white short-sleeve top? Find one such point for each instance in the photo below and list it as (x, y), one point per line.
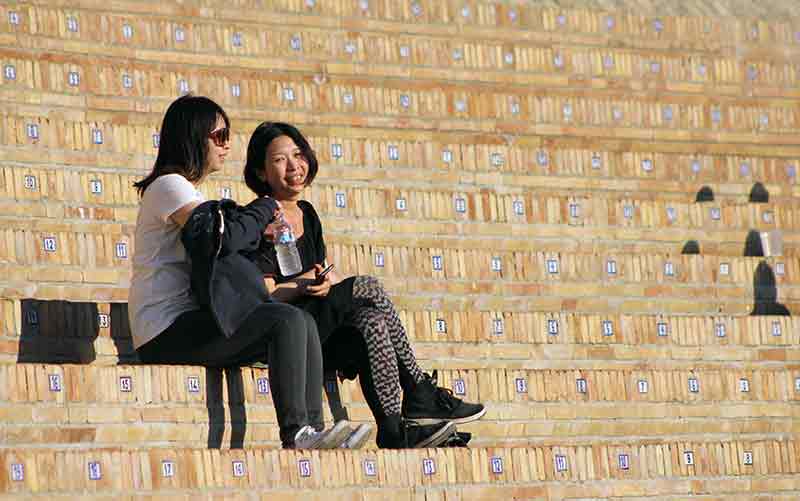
(160, 284)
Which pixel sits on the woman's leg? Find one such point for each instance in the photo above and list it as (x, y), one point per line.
(423, 400)
(314, 379)
(382, 380)
(277, 329)
(295, 364)
(368, 291)
(346, 349)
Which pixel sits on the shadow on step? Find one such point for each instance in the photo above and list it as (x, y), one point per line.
(752, 245)
(216, 406)
(766, 292)
(704, 194)
(759, 194)
(67, 332)
(56, 331)
(691, 247)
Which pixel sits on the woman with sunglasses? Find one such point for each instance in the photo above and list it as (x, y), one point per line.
(281, 164)
(190, 299)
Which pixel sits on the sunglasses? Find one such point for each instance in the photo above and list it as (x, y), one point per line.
(220, 136)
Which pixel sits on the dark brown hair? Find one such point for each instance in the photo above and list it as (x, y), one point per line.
(257, 154)
(183, 139)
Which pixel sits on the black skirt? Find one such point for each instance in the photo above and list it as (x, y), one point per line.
(332, 311)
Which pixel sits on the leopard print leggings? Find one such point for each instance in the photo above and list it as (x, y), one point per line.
(388, 349)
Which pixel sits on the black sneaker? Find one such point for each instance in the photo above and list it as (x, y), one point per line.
(405, 435)
(428, 404)
(419, 436)
(457, 439)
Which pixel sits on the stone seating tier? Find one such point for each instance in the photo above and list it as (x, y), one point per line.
(88, 405)
(704, 470)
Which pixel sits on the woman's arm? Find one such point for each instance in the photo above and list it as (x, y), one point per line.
(181, 215)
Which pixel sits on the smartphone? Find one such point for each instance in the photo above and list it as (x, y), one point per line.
(324, 272)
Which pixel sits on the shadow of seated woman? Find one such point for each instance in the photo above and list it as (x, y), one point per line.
(766, 292)
(57, 331)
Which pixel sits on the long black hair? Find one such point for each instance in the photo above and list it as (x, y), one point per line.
(183, 141)
(257, 154)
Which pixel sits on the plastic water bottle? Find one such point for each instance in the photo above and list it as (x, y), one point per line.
(286, 249)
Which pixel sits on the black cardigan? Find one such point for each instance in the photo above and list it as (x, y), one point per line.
(223, 280)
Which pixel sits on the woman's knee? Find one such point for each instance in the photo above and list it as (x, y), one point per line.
(371, 284)
(370, 281)
(292, 322)
(309, 323)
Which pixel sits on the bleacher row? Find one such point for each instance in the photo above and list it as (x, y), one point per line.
(377, 37)
(566, 203)
(332, 99)
(535, 65)
(188, 406)
(38, 330)
(615, 471)
(444, 157)
(636, 284)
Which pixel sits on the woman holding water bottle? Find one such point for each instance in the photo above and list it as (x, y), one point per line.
(281, 164)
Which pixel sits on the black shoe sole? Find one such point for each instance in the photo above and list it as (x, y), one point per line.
(461, 420)
(437, 438)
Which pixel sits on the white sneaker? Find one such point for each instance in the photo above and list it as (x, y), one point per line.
(357, 438)
(307, 438)
(335, 436)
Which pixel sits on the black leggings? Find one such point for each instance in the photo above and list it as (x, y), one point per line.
(346, 351)
(280, 334)
(391, 360)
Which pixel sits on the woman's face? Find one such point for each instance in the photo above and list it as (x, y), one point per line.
(285, 169)
(217, 150)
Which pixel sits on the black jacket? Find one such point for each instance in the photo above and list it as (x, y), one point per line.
(223, 280)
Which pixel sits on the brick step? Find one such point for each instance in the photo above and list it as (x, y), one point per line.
(36, 330)
(762, 181)
(427, 264)
(422, 299)
(588, 23)
(233, 33)
(184, 405)
(582, 237)
(111, 244)
(140, 385)
(623, 470)
(582, 234)
(55, 199)
(563, 161)
(103, 350)
(197, 429)
(75, 284)
(392, 104)
(87, 66)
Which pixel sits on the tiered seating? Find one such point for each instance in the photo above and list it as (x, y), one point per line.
(728, 470)
(497, 339)
(564, 204)
(187, 406)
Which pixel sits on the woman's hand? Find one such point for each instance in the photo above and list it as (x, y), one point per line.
(269, 230)
(319, 288)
